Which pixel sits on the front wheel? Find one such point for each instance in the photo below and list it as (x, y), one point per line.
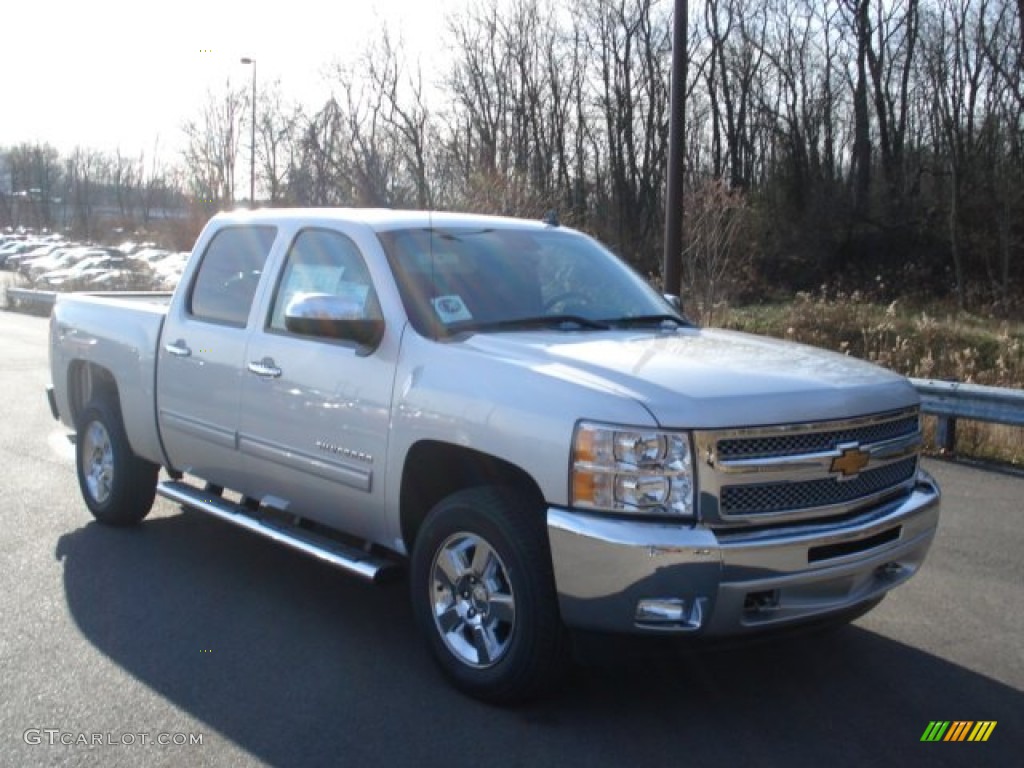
(483, 594)
(118, 486)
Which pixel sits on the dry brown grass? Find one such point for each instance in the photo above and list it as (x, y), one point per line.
(924, 342)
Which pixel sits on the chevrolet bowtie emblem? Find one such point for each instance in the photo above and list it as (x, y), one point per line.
(850, 462)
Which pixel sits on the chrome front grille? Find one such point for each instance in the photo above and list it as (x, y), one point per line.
(812, 442)
(764, 499)
(774, 475)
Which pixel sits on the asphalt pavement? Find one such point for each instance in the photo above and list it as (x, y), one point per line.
(185, 629)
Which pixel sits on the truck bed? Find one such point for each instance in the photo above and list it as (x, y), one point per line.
(113, 331)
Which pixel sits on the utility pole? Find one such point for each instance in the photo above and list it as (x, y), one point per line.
(673, 261)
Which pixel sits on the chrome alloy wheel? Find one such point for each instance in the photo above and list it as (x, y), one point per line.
(473, 603)
(98, 462)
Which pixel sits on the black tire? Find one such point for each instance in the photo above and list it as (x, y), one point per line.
(484, 596)
(118, 486)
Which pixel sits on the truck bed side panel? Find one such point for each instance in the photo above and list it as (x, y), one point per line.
(119, 335)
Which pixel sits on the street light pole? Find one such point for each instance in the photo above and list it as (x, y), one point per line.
(252, 145)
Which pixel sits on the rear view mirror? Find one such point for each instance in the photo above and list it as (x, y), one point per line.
(334, 317)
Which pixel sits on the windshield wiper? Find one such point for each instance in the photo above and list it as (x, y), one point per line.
(648, 321)
(557, 322)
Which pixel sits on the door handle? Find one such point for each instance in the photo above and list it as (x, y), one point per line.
(178, 348)
(265, 368)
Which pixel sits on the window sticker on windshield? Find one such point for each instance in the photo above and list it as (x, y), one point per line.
(451, 309)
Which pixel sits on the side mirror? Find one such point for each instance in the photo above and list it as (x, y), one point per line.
(674, 300)
(334, 317)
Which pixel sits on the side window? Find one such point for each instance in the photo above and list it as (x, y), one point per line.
(229, 274)
(324, 262)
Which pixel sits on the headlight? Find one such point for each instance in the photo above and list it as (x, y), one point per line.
(640, 471)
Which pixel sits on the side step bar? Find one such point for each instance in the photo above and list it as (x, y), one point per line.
(351, 559)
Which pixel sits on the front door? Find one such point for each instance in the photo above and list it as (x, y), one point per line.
(313, 425)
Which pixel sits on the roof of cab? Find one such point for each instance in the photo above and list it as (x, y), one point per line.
(378, 219)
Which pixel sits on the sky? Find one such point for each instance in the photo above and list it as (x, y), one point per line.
(111, 74)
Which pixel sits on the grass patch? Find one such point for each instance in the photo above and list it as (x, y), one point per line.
(923, 342)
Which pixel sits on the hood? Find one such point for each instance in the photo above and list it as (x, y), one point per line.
(694, 378)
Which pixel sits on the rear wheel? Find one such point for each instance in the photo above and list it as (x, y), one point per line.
(118, 486)
(484, 595)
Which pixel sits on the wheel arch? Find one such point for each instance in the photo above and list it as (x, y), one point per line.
(87, 381)
(435, 469)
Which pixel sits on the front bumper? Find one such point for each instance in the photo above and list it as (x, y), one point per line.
(620, 575)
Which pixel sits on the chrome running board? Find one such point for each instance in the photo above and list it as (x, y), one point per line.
(348, 558)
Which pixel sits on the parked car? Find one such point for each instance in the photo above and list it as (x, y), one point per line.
(167, 271)
(87, 267)
(34, 256)
(59, 258)
(150, 254)
(134, 277)
(32, 249)
(10, 251)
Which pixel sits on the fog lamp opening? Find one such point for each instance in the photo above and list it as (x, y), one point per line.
(664, 610)
(673, 613)
(761, 602)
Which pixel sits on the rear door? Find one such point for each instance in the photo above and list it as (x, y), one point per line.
(200, 360)
(313, 426)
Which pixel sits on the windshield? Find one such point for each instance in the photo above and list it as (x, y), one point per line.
(458, 279)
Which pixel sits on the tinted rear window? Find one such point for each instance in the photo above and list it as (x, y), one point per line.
(230, 273)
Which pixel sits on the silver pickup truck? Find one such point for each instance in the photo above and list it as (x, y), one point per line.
(509, 412)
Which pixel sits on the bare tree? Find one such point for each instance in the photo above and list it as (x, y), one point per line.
(859, 23)
(212, 150)
(5, 189)
(125, 177)
(404, 113)
(36, 175)
(371, 167)
(317, 177)
(890, 63)
(87, 173)
(277, 128)
(717, 247)
(953, 61)
(735, 29)
(629, 45)
(479, 82)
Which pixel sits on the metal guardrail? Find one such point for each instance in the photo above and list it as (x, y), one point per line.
(35, 300)
(950, 400)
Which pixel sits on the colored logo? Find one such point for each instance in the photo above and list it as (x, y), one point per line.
(850, 462)
(959, 730)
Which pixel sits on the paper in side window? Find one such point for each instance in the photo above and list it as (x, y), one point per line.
(315, 278)
(355, 292)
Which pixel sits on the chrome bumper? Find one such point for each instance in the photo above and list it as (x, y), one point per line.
(631, 576)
